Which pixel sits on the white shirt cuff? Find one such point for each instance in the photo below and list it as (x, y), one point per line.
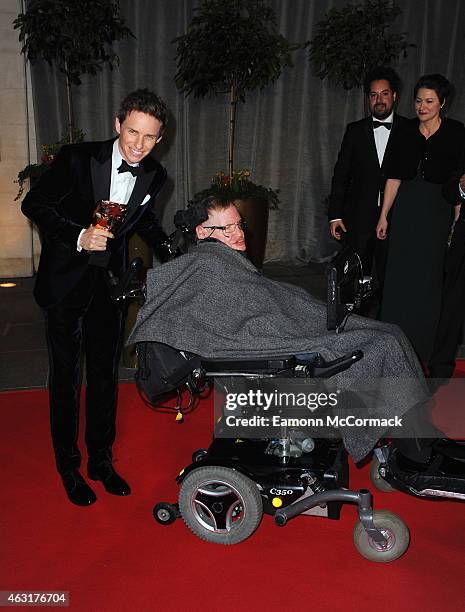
(331, 220)
(78, 246)
(462, 192)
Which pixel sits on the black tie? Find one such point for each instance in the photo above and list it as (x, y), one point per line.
(134, 170)
(377, 124)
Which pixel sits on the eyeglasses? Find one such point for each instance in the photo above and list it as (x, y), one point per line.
(227, 229)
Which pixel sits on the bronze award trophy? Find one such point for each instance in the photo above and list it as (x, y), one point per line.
(108, 216)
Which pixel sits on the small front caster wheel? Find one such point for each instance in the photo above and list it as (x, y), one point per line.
(198, 455)
(394, 530)
(165, 513)
(376, 478)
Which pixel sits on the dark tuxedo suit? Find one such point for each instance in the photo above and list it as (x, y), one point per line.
(357, 182)
(79, 312)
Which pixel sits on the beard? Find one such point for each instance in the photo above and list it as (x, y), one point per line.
(381, 111)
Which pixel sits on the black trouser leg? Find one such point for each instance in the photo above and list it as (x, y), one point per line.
(102, 336)
(63, 324)
(380, 254)
(363, 244)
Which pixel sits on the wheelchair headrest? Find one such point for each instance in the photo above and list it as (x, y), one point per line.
(187, 220)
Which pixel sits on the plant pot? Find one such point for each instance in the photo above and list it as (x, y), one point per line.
(254, 211)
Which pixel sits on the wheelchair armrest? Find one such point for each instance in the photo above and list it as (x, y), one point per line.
(261, 365)
(325, 369)
(317, 368)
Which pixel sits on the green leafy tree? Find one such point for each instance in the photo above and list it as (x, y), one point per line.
(75, 35)
(230, 46)
(352, 40)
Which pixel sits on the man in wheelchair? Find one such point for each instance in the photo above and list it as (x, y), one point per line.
(214, 303)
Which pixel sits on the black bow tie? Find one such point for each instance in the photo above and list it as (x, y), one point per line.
(134, 170)
(377, 124)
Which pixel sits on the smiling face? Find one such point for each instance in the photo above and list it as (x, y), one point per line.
(381, 99)
(224, 217)
(427, 104)
(138, 134)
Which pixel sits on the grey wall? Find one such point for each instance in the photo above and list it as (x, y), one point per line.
(16, 237)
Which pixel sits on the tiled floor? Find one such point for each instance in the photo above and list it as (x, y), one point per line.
(23, 349)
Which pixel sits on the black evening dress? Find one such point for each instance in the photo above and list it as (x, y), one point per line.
(418, 230)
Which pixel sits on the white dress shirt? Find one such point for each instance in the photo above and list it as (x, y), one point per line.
(121, 184)
(381, 139)
(382, 136)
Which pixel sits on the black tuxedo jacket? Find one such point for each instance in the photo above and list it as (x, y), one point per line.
(358, 178)
(62, 203)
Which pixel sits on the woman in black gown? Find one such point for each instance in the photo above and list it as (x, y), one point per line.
(431, 149)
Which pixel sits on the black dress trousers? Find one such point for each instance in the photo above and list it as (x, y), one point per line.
(86, 323)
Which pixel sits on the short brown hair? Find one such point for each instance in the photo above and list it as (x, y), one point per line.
(144, 101)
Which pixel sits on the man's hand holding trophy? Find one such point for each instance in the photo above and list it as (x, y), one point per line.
(108, 218)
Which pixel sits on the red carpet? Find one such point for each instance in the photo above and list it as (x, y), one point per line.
(449, 405)
(114, 557)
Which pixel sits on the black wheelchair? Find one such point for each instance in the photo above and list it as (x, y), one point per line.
(226, 488)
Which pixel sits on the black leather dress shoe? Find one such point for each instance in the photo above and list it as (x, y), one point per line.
(113, 483)
(77, 489)
(454, 449)
(441, 476)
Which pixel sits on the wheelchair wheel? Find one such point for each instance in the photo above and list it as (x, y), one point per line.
(393, 528)
(220, 505)
(377, 480)
(165, 513)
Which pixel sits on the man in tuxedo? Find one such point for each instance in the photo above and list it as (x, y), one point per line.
(360, 172)
(72, 280)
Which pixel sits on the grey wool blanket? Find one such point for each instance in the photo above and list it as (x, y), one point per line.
(213, 302)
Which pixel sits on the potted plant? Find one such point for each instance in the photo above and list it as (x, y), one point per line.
(352, 40)
(232, 47)
(75, 36)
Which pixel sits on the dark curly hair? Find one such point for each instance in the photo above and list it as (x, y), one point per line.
(381, 73)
